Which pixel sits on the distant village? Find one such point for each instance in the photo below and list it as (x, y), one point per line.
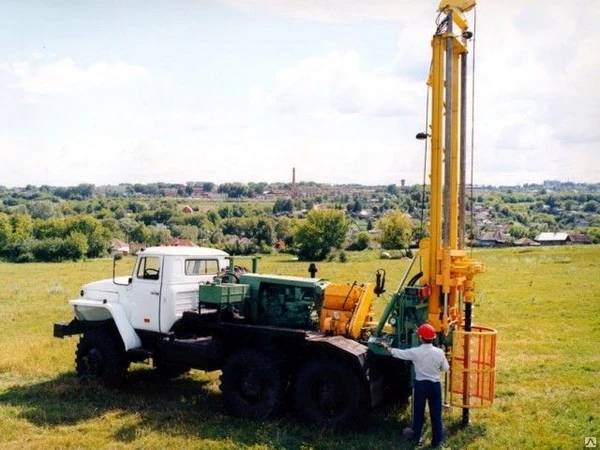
(490, 229)
(44, 223)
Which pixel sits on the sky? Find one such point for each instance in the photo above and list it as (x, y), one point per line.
(143, 91)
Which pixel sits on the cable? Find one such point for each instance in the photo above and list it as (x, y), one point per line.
(441, 24)
(473, 121)
(425, 165)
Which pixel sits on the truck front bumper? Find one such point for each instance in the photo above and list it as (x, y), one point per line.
(75, 326)
(62, 329)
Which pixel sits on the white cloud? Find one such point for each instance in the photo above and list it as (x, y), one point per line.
(213, 120)
(163, 123)
(536, 95)
(336, 84)
(332, 11)
(64, 76)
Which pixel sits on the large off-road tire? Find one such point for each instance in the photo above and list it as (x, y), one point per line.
(252, 384)
(100, 356)
(394, 384)
(327, 393)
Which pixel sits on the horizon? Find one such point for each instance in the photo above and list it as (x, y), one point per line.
(543, 184)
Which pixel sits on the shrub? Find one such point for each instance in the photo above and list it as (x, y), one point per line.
(396, 230)
(322, 231)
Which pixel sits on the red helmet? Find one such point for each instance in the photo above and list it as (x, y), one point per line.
(426, 331)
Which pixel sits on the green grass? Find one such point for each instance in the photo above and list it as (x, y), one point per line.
(544, 302)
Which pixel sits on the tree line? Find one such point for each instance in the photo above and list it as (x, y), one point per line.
(314, 237)
(24, 239)
(46, 224)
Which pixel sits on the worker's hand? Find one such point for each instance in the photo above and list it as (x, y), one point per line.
(385, 345)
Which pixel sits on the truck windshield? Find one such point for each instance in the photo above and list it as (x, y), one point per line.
(201, 266)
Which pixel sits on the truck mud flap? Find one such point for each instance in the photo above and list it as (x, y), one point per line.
(352, 350)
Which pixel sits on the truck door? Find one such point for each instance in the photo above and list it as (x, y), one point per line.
(146, 293)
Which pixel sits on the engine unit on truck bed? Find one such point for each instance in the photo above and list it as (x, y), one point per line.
(289, 302)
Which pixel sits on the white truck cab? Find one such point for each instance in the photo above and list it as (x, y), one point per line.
(163, 285)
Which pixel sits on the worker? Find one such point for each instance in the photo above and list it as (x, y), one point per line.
(428, 362)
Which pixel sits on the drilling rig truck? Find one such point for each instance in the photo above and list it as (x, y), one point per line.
(308, 341)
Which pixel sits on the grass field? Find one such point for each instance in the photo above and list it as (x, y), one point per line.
(544, 302)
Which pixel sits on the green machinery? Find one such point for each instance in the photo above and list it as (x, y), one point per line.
(289, 302)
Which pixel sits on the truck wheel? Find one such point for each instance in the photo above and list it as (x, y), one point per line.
(252, 385)
(100, 356)
(327, 394)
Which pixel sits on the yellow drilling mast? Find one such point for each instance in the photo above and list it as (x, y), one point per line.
(442, 293)
(446, 267)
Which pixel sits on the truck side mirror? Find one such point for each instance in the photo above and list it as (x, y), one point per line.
(117, 257)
